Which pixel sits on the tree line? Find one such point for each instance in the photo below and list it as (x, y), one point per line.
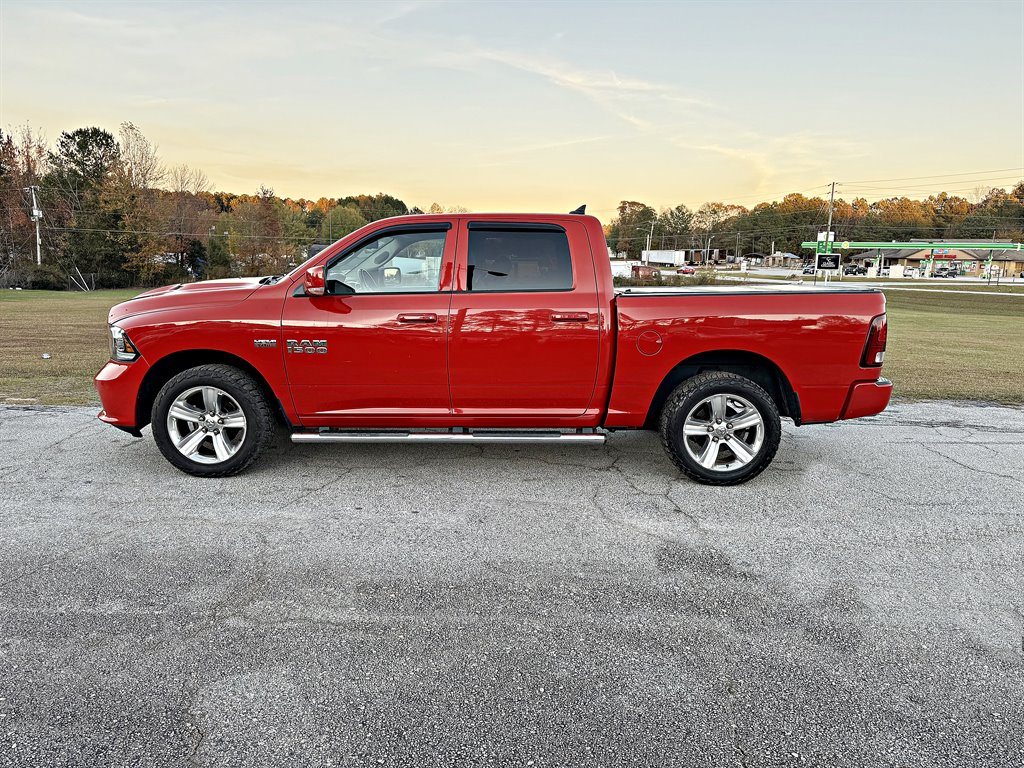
(115, 215)
(737, 230)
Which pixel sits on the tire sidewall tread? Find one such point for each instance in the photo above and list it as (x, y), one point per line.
(696, 388)
(260, 423)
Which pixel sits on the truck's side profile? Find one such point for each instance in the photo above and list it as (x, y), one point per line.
(486, 327)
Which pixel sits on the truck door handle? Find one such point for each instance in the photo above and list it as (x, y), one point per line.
(570, 317)
(420, 317)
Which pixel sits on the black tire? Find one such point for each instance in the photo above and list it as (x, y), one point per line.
(692, 393)
(259, 425)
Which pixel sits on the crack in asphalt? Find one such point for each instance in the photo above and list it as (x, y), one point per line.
(609, 515)
(966, 466)
(192, 695)
(738, 752)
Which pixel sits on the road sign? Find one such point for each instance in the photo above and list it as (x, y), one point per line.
(827, 262)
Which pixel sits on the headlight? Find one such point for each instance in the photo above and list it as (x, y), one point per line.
(121, 348)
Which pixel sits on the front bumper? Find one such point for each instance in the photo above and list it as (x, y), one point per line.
(118, 386)
(866, 398)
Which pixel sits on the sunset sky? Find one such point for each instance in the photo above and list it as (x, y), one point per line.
(538, 105)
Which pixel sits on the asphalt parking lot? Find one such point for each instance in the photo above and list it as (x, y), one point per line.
(860, 603)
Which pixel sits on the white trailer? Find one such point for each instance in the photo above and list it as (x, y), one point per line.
(668, 258)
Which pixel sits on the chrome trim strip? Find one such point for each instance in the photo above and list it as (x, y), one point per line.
(519, 438)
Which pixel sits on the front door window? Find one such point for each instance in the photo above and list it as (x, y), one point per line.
(403, 262)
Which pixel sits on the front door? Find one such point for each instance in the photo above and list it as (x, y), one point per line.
(524, 322)
(373, 347)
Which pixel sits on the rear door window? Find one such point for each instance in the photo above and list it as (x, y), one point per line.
(518, 259)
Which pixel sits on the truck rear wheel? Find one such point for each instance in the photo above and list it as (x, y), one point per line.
(212, 421)
(720, 428)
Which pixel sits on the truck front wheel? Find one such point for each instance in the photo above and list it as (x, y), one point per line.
(212, 420)
(720, 428)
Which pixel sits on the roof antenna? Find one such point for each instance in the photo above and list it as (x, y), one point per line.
(579, 211)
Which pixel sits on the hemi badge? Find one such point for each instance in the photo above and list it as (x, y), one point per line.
(268, 343)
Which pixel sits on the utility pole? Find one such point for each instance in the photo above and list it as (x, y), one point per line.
(37, 215)
(828, 229)
(649, 236)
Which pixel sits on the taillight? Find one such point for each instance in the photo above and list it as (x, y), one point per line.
(874, 350)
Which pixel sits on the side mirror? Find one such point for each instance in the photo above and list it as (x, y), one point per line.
(314, 281)
(392, 275)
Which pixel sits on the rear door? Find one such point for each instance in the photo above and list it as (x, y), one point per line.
(524, 329)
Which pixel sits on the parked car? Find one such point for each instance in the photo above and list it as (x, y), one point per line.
(686, 270)
(808, 269)
(854, 269)
(486, 328)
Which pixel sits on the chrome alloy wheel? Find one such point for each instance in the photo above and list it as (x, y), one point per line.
(206, 425)
(723, 432)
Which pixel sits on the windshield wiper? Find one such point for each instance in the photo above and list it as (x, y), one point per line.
(270, 279)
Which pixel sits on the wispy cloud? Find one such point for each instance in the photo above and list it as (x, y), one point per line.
(628, 98)
(124, 27)
(771, 160)
(540, 147)
(394, 12)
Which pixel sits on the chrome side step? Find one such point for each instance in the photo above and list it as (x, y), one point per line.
(521, 437)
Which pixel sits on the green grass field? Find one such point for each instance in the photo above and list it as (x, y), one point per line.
(917, 285)
(955, 346)
(71, 327)
(941, 345)
(1004, 286)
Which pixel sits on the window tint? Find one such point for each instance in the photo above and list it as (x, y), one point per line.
(519, 260)
(400, 262)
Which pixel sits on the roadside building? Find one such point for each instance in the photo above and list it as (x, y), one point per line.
(783, 259)
(972, 262)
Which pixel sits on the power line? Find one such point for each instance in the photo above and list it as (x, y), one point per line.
(985, 184)
(194, 235)
(939, 176)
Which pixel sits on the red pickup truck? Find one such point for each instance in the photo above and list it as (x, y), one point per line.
(478, 328)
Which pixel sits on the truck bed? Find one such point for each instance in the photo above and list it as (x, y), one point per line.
(811, 338)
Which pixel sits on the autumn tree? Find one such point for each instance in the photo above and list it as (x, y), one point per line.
(338, 222)
(22, 164)
(131, 194)
(674, 227)
(374, 207)
(80, 171)
(631, 226)
(218, 256)
(188, 212)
